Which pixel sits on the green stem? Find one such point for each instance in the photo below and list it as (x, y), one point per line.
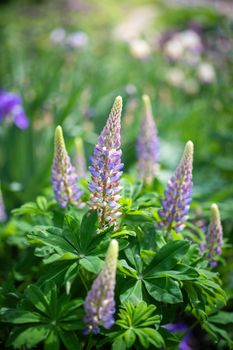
(89, 344)
(83, 280)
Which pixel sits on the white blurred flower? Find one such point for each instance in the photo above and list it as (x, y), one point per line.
(140, 49)
(57, 36)
(174, 48)
(175, 77)
(206, 73)
(77, 40)
(185, 46)
(190, 40)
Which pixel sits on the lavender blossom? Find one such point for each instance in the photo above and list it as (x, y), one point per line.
(148, 145)
(175, 205)
(214, 237)
(64, 178)
(99, 304)
(3, 215)
(106, 169)
(11, 109)
(180, 328)
(79, 160)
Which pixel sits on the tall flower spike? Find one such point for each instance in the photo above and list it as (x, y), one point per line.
(175, 204)
(79, 160)
(106, 169)
(99, 304)
(214, 237)
(3, 215)
(148, 145)
(64, 178)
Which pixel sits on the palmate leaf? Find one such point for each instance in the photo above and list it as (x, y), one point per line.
(79, 244)
(165, 290)
(137, 325)
(55, 319)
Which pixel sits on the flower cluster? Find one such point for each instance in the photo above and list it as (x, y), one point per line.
(189, 67)
(106, 169)
(175, 205)
(100, 304)
(75, 40)
(3, 215)
(79, 160)
(214, 237)
(11, 108)
(148, 145)
(64, 178)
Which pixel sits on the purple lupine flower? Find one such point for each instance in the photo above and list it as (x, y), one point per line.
(214, 236)
(175, 204)
(11, 108)
(148, 145)
(99, 304)
(79, 159)
(180, 328)
(64, 178)
(3, 215)
(106, 169)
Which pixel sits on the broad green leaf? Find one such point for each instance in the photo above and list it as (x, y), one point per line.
(222, 317)
(37, 298)
(167, 257)
(70, 340)
(92, 264)
(133, 294)
(154, 337)
(21, 316)
(165, 290)
(88, 229)
(52, 342)
(129, 337)
(119, 344)
(27, 336)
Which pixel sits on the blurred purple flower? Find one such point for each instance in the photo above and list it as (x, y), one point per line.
(180, 328)
(3, 215)
(175, 204)
(99, 304)
(11, 108)
(214, 237)
(148, 145)
(106, 169)
(64, 178)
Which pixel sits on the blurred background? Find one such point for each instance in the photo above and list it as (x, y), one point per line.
(64, 62)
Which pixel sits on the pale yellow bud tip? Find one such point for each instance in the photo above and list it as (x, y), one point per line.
(215, 211)
(113, 249)
(118, 100)
(189, 148)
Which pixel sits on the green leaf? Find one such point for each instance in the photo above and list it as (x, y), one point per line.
(52, 342)
(21, 316)
(70, 340)
(88, 229)
(167, 257)
(37, 298)
(119, 344)
(129, 337)
(92, 264)
(222, 317)
(165, 290)
(133, 294)
(27, 336)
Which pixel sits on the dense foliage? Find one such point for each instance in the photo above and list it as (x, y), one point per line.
(123, 255)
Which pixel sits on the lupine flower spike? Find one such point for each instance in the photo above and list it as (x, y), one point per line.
(100, 304)
(11, 108)
(175, 204)
(106, 169)
(3, 215)
(79, 160)
(64, 178)
(148, 145)
(214, 237)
